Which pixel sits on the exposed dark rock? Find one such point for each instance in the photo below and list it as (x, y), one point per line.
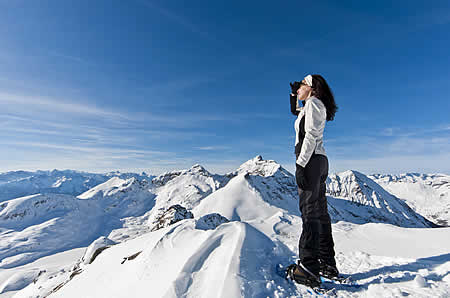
(172, 215)
(210, 221)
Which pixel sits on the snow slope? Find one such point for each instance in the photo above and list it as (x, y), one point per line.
(370, 202)
(237, 260)
(386, 247)
(427, 194)
(39, 225)
(180, 260)
(14, 280)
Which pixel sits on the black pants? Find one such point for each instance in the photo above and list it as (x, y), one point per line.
(316, 241)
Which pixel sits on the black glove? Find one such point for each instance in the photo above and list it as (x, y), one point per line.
(293, 97)
(300, 176)
(294, 87)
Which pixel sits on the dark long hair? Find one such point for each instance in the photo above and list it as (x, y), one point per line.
(322, 91)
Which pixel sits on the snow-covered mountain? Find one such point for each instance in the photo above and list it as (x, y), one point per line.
(185, 187)
(370, 202)
(229, 233)
(427, 194)
(42, 224)
(17, 184)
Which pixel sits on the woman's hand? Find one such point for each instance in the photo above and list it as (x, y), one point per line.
(300, 176)
(294, 87)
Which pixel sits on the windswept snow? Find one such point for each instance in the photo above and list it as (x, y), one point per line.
(183, 262)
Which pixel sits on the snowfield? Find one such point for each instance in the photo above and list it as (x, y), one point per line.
(244, 224)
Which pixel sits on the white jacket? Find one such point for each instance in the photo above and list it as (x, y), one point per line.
(315, 114)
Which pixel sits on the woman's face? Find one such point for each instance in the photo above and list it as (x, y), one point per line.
(304, 91)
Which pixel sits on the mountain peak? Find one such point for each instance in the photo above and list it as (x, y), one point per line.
(113, 186)
(164, 178)
(197, 168)
(259, 166)
(258, 158)
(351, 173)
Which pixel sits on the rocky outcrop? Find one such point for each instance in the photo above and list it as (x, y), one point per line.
(210, 221)
(172, 215)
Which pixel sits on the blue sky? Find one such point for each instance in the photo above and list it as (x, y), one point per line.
(160, 85)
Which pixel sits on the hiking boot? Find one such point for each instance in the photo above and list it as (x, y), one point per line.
(300, 274)
(327, 270)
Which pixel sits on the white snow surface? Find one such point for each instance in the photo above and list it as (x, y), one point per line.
(39, 225)
(427, 194)
(245, 223)
(99, 243)
(366, 196)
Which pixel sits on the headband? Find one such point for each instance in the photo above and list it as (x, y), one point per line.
(308, 80)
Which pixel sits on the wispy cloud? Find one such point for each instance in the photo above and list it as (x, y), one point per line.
(59, 105)
(86, 149)
(395, 164)
(107, 159)
(408, 132)
(180, 84)
(213, 148)
(408, 145)
(84, 135)
(395, 131)
(68, 57)
(176, 18)
(27, 106)
(368, 147)
(31, 131)
(394, 151)
(434, 16)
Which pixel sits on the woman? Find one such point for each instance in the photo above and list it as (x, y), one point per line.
(316, 246)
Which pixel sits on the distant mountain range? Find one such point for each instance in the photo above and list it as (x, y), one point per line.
(17, 184)
(43, 213)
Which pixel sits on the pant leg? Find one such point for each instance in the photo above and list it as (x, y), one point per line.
(326, 243)
(310, 205)
(309, 239)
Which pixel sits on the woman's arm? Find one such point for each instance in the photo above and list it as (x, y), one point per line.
(315, 118)
(294, 105)
(293, 97)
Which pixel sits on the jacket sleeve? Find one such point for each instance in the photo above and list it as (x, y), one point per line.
(293, 100)
(315, 118)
